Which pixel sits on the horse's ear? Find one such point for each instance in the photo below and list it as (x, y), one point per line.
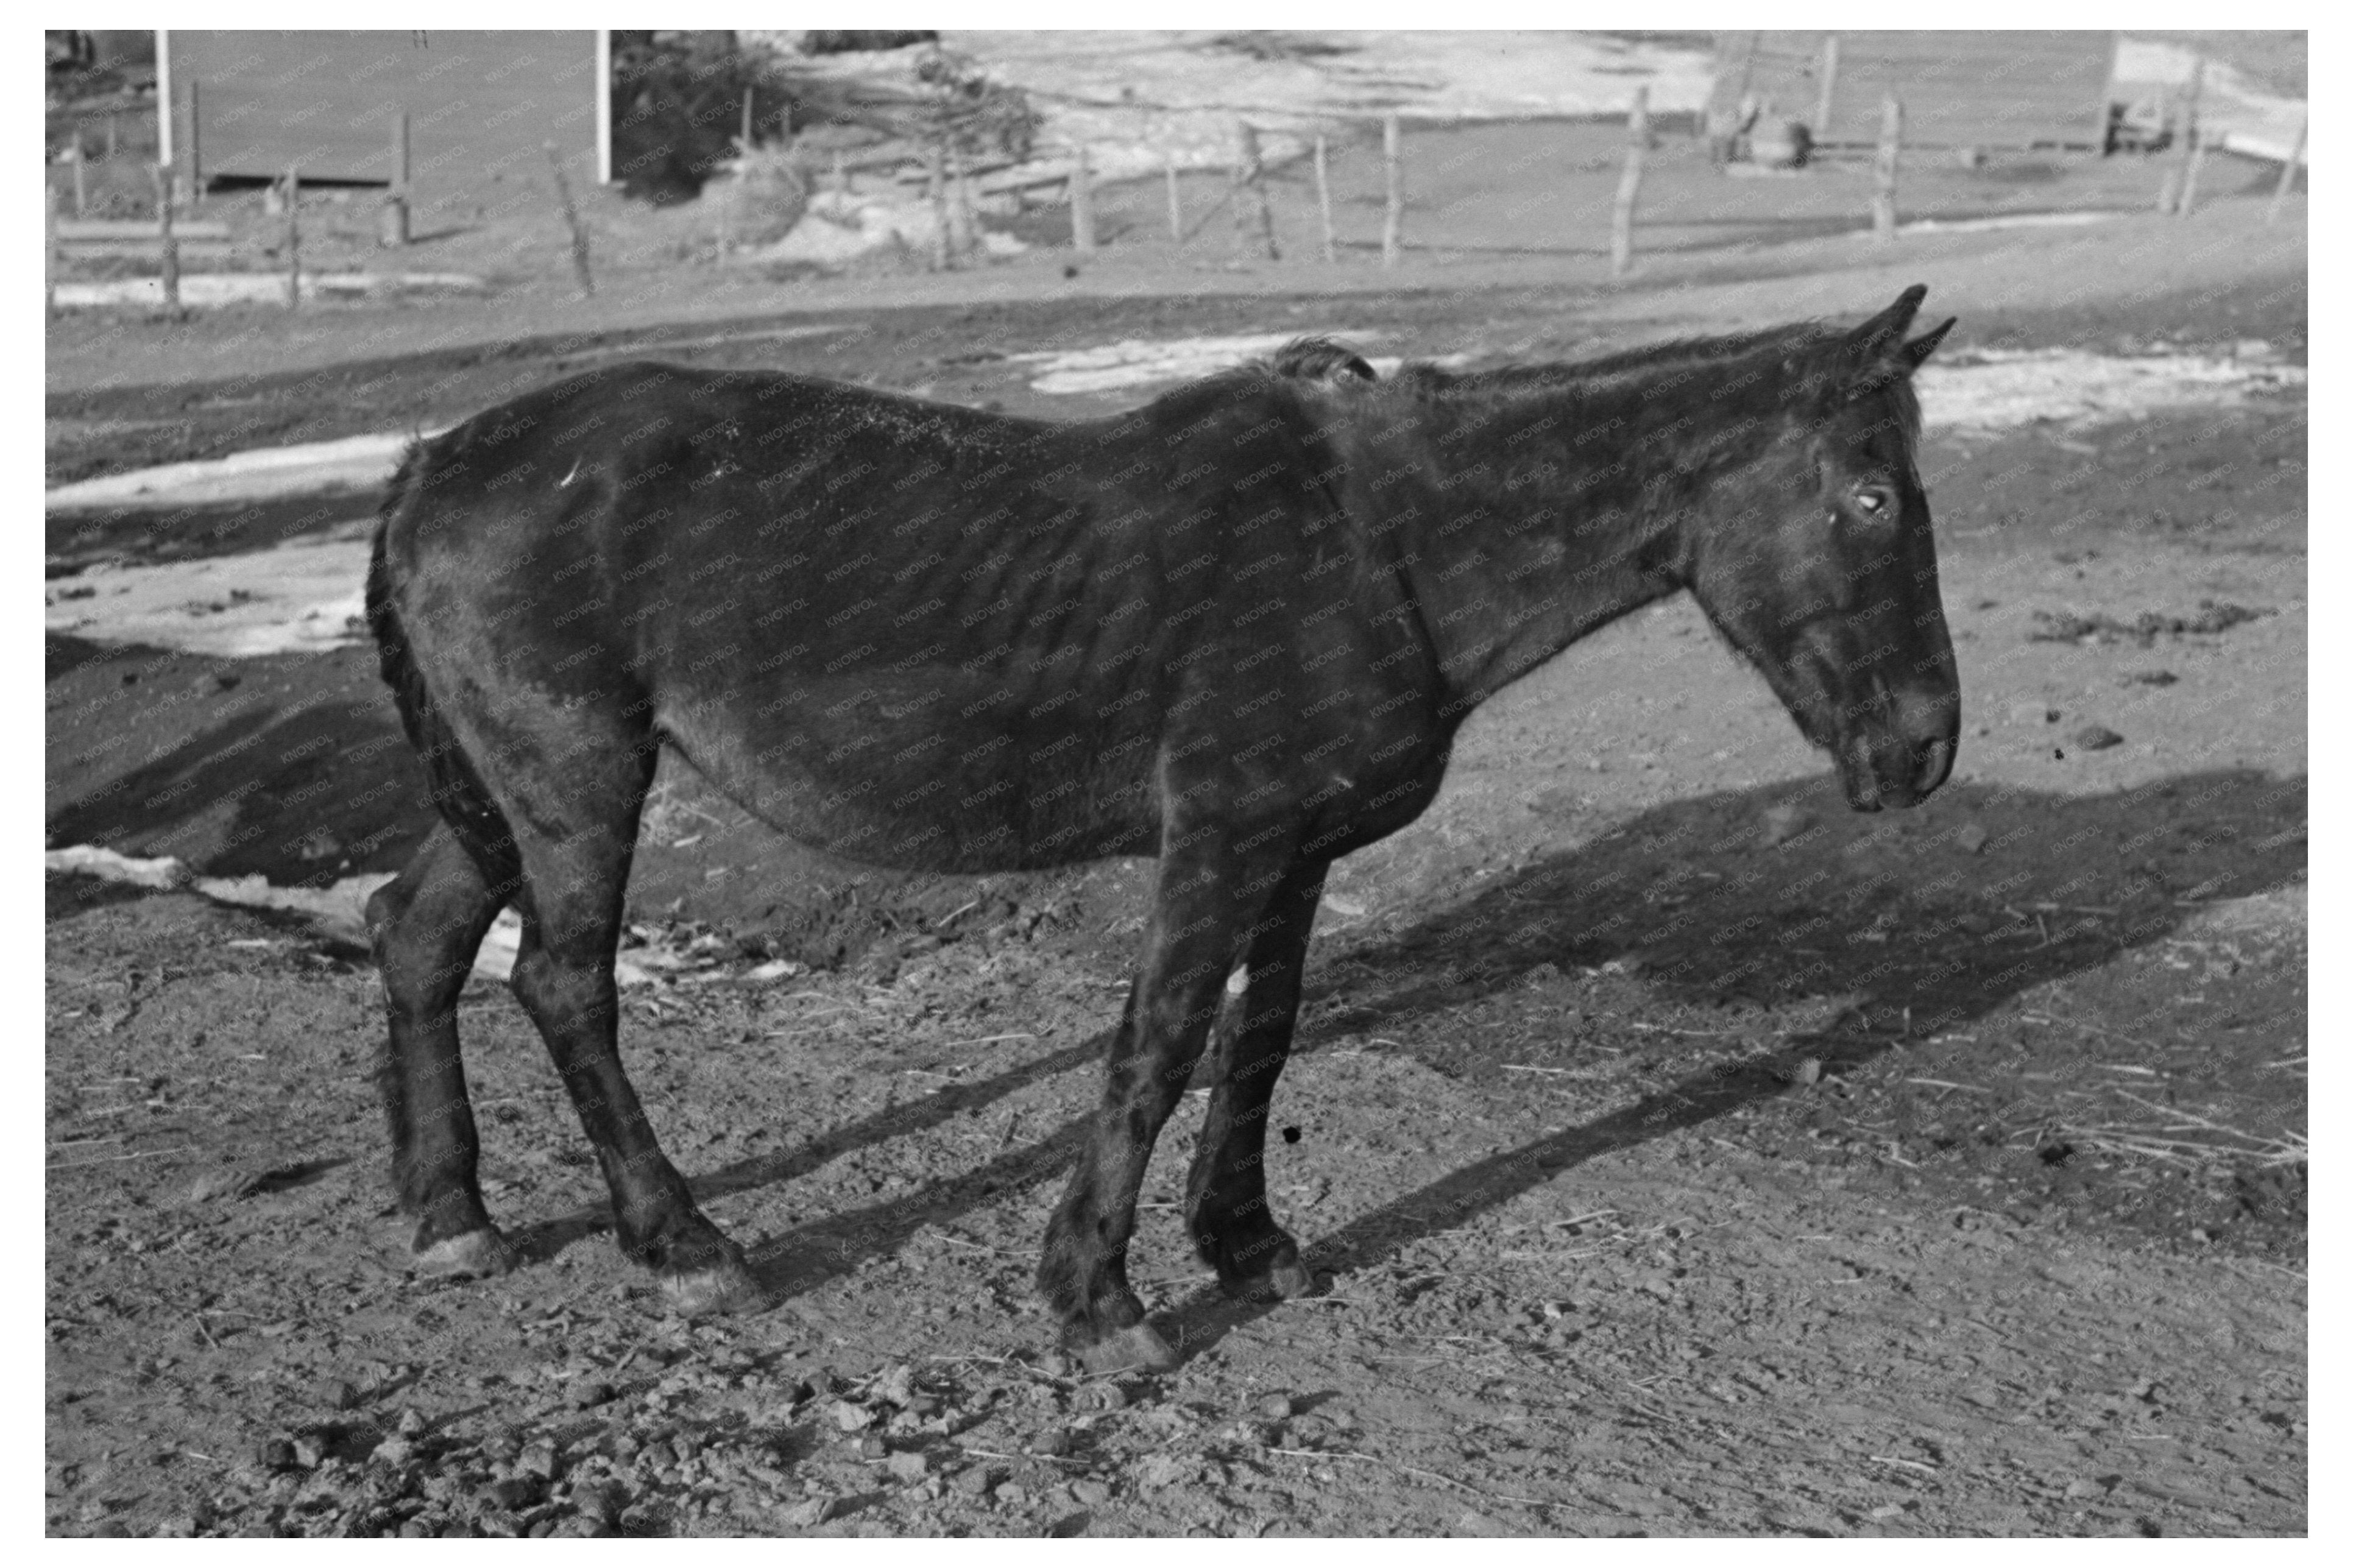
(1917, 351)
(1885, 330)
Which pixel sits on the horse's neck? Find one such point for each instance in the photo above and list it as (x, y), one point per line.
(1536, 526)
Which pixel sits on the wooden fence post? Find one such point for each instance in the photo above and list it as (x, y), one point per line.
(571, 221)
(1324, 196)
(1882, 169)
(1082, 204)
(1828, 88)
(392, 228)
(2108, 115)
(1629, 184)
(2194, 159)
(171, 247)
(293, 237)
(195, 146)
(936, 190)
(751, 116)
(1393, 216)
(1175, 203)
(2177, 171)
(50, 250)
(964, 229)
(81, 177)
(2287, 172)
(1250, 179)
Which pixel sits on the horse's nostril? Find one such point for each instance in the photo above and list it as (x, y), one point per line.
(1931, 762)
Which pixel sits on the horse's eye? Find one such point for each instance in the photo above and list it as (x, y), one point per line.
(1874, 501)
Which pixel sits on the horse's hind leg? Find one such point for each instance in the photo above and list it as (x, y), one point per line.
(1225, 1193)
(427, 925)
(564, 977)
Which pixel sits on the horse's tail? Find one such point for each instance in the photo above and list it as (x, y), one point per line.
(457, 792)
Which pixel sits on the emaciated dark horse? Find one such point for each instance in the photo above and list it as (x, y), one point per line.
(1235, 629)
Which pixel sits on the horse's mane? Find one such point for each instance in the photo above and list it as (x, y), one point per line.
(1815, 341)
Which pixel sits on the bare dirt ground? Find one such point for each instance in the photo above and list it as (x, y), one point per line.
(1682, 1153)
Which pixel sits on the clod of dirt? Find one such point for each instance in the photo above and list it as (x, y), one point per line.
(2097, 738)
(908, 1464)
(1052, 1443)
(1275, 1407)
(851, 1417)
(1165, 1470)
(588, 1392)
(1783, 823)
(1809, 1071)
(812, 1512)
(1972, 839)
(518, 1492)
(976, 1479)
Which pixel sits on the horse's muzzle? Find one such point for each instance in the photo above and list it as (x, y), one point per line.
(1901, 758)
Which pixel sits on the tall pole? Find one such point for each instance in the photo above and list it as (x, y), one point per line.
(1629, 184)
(1175, 203)
(1393, 216)
(1882, 169)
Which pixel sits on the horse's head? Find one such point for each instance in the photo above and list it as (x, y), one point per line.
(1827, 580)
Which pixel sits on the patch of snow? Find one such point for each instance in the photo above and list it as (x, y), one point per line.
(1997, 389)
(305, 596)
(1137, 99)
(2005, 220)
(211, 291)
(268, 473)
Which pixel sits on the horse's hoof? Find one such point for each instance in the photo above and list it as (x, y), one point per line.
(1289, 1281)
(1134, 1349)
(477, 1255)
(728, 1288)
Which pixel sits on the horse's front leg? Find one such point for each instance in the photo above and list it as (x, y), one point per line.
(1205, 902)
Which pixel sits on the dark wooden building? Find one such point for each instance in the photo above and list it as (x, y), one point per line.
(482, 106)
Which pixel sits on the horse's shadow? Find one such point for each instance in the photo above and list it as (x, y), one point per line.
(2220, 834)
